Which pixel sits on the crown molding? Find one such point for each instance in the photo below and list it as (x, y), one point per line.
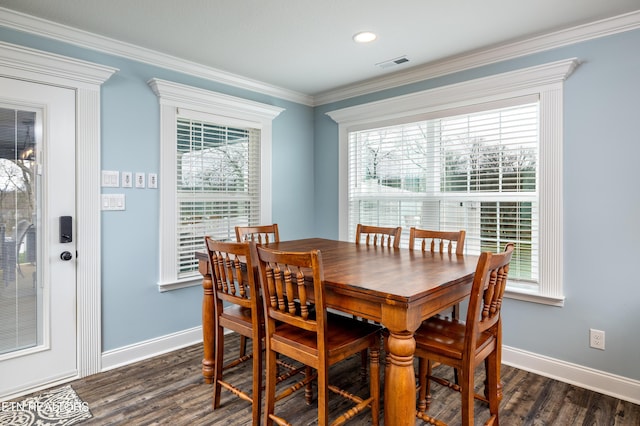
(192, 97)
(481, 57)
(468, 60)
(41, 27)
(25, 63)
(451, 96)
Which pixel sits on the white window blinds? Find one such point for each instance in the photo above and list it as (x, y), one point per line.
(475, 171)
(218, 185)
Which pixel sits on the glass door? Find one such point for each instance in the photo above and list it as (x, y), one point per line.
(20, 193)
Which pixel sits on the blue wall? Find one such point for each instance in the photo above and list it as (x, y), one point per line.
(601, 204)
(133, 310)
(602, 201)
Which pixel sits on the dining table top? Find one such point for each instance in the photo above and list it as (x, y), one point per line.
(398, 275)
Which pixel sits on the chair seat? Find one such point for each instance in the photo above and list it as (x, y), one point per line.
(343, 334)
(238, 313)
(443, 336)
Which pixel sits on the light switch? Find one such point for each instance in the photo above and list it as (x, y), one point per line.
(113, 202)
(110, 178)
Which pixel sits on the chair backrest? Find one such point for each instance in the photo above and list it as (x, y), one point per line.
(485, 301)
(435, 241)
(233, 274)
(262, 234)
(285, 296)
(378, 235)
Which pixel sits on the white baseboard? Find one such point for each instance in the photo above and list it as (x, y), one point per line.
(584, 377)
(149, 348)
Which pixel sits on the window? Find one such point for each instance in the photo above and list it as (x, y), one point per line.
(215, 173)
(474, 171)
(490, 164)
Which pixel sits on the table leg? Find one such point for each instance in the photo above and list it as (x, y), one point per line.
(400, 380)
(208, 320)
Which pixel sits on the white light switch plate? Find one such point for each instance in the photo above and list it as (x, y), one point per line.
(113, 202)
(110, 178)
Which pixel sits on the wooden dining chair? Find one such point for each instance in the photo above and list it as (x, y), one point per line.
(438, 241)
(262, 234)
(378, 235)
(235, 285)
(319, 340)
(464, 345)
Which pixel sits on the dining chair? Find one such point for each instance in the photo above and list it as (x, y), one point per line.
(235, 285)
(437, 241)
(261, 234)
(317, 340)
(378, 235)
(464, 345)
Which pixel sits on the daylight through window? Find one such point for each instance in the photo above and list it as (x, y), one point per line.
(218, 182)
(474, 171)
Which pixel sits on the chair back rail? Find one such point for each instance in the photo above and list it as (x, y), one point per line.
(261, 234)
(378, 235)
(435, 241)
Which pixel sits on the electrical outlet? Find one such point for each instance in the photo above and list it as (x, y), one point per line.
(596, 339)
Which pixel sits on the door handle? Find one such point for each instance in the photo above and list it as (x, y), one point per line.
(65, 255)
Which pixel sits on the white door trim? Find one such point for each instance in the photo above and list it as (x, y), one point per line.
(85, 78)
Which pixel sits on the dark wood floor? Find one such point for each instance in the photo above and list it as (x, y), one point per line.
(169, 390)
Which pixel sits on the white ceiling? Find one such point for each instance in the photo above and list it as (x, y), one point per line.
(305, 46)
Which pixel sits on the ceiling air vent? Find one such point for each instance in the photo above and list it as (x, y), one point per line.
(392, 62)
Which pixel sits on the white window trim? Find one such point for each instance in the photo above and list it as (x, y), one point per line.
(173, 96)
(546, 81)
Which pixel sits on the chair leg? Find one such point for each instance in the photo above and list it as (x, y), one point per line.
(256, 395)
(467, 396)
(422, 381)
(243, 346)
(308, 390)
(270, 391)
(217, 369)
(374, 385)
(363, 365)
(323, 395)
(493, 379)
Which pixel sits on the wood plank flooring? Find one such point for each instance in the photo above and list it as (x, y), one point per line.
(169, 390)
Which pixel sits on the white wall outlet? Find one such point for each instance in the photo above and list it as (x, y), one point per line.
(127, 180)
(596, 339)
(140, 180)
(152, 180)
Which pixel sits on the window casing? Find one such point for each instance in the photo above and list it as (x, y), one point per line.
(215, 173)
(484, 156)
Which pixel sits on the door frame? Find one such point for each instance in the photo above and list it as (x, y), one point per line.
(85, 78)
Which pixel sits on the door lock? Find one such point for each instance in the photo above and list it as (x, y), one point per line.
(65, 255)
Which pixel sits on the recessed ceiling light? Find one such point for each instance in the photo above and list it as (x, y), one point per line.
(364, 37)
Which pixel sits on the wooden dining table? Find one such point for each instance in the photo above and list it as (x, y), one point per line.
(399, 288)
